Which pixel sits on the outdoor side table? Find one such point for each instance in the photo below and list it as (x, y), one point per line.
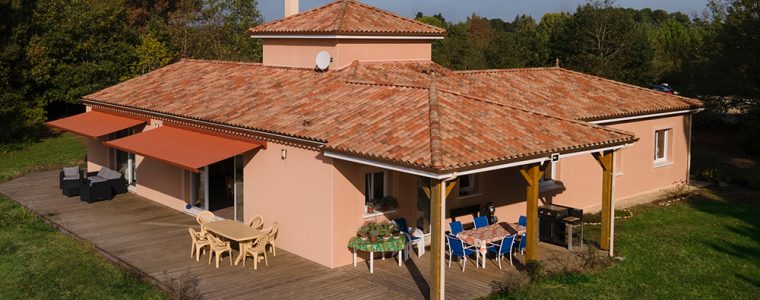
(394, 244)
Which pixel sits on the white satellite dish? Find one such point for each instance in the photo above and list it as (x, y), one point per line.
(323, 60)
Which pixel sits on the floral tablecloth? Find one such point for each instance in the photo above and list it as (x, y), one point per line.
(391, 245)
(493, 233)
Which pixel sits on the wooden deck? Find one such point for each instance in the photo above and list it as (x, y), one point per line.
(152, 240)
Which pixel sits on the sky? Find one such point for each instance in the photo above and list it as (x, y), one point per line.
(459, 10)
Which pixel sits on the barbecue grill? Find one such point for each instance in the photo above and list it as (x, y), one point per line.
(556, 224)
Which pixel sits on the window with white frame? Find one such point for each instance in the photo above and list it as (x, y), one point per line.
(661, 144)
(468, 185)
(375, 187)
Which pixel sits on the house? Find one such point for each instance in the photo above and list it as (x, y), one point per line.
(311, 147)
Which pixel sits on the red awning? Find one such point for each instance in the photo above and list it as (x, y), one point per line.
(94, 124)
(183, 148)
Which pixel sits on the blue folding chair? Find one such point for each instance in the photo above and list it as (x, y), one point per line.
(521, 246)
(455, 227)
(457, 248)
(481, 221)
(403, 228)
(522, 221)
(505, 247)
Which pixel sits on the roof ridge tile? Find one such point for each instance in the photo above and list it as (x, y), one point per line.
(508, 70)
(436, 153)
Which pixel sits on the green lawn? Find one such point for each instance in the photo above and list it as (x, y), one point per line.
(36, 261)
(706, 248)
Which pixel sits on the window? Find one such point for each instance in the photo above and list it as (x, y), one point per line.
(661, 140)
(375, 187)
(468, 185)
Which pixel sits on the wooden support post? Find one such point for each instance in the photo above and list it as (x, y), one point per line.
(437, 193)
(532, 174)
(436, 240)
(606, 161)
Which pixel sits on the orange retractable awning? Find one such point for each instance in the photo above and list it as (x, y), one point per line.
(183, 148)
(94, 124)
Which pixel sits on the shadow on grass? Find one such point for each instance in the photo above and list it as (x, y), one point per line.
(739, 204)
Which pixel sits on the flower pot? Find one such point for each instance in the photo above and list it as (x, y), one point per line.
(386, 238)
(373, 239)
(363, 238)
(370, 209)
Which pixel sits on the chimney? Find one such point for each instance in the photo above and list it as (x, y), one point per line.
(291, 7)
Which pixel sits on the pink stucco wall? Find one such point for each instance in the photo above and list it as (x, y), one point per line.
(160, 182)
(379, 50)
(301, 53)
(297, 193)
(98, 155)
(638, 174)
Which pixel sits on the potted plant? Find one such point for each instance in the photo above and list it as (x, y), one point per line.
(370, 207)
(384, 231)
(363, 232)
(374, 232)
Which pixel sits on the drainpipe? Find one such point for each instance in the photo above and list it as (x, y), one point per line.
(291, 7)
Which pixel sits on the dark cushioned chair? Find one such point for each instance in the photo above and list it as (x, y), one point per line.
(114, 178)
(70, 180)
(102, 185)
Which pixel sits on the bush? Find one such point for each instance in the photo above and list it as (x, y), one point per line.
(592, 259)
(512, 282)
(535, 269)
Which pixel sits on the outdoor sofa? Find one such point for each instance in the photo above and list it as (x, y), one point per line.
(70, 180)
(102, 185)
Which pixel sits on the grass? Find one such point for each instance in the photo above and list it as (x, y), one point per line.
(707, 247)
(36, 261)
(48, 154)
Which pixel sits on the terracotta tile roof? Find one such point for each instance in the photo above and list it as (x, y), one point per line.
(571, 94)
(553, 91)
(347, 17)
(413, 122)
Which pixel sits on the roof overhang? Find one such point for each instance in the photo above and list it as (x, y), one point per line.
(646, 116)
(446, 175)
(94, 124)
(187, 149)
(346, 36)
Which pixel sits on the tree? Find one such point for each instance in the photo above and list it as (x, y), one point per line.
(550, 34)
(604, 40)
(216, 29)
(19, 114)
(739, 61)
(151, 54)
(78, 47)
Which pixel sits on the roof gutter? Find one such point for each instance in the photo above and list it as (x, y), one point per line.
(447, 176)
(657, 115)
(346, 36)
(190, 120)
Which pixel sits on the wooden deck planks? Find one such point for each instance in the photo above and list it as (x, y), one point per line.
(153, 238)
